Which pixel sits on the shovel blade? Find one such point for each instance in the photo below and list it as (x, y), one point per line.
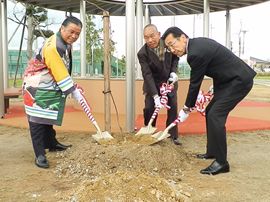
(159, 136)
(103, 136)
(147, 130)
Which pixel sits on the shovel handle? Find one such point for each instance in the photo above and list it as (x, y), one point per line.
(176, 121)
(170, 126)
(153, 116)
(155, 113)
(97, 127)
(87, 110)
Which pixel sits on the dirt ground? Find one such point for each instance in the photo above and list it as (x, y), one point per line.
(130, 170)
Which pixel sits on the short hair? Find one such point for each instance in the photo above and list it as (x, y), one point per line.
(72, 19)
(175, 31)
(150, 26)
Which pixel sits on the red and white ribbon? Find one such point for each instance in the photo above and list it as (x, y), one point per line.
(85, 106)
(202, 100)
(165, 88)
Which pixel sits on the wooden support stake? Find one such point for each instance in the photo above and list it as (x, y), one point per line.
(107, 70)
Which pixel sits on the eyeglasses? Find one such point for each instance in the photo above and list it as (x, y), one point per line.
(172, 45)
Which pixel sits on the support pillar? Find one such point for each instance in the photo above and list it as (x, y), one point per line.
(130, 65)
(4, 42)
(147, 18)
(139, 35)
(2, 111)
(228, 30)
(83, 38)
(206, 10)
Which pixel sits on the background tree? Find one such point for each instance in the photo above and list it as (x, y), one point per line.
(94, 42)
(36, 20)
(122, 65)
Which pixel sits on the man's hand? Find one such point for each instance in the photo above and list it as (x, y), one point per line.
(77, 94)
(173, 78)
(182, 116)
(157, 102)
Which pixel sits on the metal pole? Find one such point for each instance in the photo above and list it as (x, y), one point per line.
(139, 29)
(92, 59)
(83, 38)
(130, 63)
(2, 111)
(194, 25)
(206, 10)
(16, 30)
(173, 20)
(5, 45)
(239, 38)
(117, 66)
(243, 48)
(147, 19)
(20, 51)
(228, 29)
(107, 70)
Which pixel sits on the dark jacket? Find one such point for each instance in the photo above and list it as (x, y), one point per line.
(154, 70)
(206, 57)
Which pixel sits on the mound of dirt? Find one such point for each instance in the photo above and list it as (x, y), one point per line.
(126, 168)
(130, 186)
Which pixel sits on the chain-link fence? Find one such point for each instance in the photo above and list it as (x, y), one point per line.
(118, 67)
(184, 70)
(92, 70)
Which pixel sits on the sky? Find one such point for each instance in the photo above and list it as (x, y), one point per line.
(253, 20)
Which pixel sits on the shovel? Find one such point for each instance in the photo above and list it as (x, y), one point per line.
(99, 136)
(165, 88)
(149, 129)
(161, 135)
(202, 99)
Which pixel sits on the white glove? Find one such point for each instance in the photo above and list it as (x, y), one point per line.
(173, 78)
(157, 102)
(77, 95)
(182, 116)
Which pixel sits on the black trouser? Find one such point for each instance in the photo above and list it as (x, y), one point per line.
(171, 113)
(217, 112)
(43, 137)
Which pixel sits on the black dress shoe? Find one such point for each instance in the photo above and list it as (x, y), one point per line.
(59, 147)
(176, 141)
(62, 145)
(42, 162)
(216, 168)
(204, 156)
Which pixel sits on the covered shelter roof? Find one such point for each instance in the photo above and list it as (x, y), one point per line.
(259, 61)
(156, 7)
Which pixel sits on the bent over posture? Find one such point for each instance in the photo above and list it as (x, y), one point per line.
(232, 80)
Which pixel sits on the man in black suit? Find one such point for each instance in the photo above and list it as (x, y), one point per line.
(232, 81)
(158, 66)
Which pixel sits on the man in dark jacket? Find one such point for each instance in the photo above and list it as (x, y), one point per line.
(232, 81)
(158, 66)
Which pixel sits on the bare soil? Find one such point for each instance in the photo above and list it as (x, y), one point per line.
(128, 169)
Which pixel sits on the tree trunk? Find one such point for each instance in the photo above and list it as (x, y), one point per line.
(107, 69)
(30, 37)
